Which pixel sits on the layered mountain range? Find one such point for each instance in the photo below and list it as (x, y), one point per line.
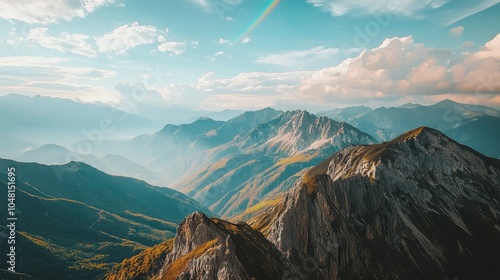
(420, 206)
(220, 163)
(474, 125)
(257, 165)
(76, 222)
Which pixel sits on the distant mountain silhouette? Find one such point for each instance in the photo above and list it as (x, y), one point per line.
(76, 222)
(461, 122)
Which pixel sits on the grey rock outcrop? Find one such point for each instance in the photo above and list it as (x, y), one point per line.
(418, 207)
(215, 249)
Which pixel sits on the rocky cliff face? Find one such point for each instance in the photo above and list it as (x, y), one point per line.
(418, 207)
(215, 249)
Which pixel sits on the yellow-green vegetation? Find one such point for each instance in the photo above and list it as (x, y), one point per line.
(258, 216)
(257, 208)
(95, 263)
(233, 228)
(179, 265)
(310, 177)
(263, 204)
(150, 219)
(78, 222)
(143, 265)
(296, 158)
(309, 180)
(262, 222)
(37, 240)
(204, 174)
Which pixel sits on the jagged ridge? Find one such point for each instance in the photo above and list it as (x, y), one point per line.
(215, 249)
(418, 207)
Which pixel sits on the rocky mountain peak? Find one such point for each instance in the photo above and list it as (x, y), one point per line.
(297, 131)
(418, 207)
(411, 154)
(255, 117)
(207, 248)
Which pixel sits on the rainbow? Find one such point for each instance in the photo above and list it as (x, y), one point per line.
(268, 9)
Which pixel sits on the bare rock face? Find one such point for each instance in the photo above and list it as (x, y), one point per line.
(215, 249)
(418, 207)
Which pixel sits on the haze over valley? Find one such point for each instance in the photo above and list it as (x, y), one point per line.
(250, 140)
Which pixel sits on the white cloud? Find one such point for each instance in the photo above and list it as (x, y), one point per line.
(256, 83)
(398, 71)
(205, 4)
(399, 67)
(408, 8)
(471, 8)
(51, 76)
(223, 41)
(161, 39)
(215, 55)
(301, 57)
(245, 91)
(229, 19)
(44, 12)
(30, 61)
(48, 68)
(126, 37)
(490, 50)
(246, 40)
(205, 81)
(136, 92)
(219, 6)
(457, 31)
(64, 42)
(175, 48)
(401, 7)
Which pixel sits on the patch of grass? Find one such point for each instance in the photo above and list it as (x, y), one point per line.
(143, 265)
(262, 205)
(179, 265)
(294, 159)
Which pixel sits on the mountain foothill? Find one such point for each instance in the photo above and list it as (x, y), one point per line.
(409, 192)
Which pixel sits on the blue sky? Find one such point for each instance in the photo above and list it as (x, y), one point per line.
(302, 54)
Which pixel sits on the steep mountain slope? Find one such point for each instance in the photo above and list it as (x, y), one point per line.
(474, 134)
(143, 266)
(257, 164)
(112, 164)
(78, 221)
(450, 117)
(179, 150)
(418, 207)
(215, 249)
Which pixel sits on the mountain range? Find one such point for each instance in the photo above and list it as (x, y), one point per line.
(260, 161)
(420, 206)
(473, 125)
(76, 222)
(351, 193)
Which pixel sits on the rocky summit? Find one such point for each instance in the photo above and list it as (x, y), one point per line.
(418, 207)
(421, 206)
(215, 249)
